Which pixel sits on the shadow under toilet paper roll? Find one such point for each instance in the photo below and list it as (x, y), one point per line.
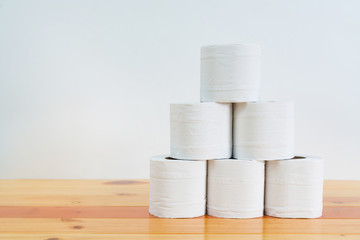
(294, 187)
(235, 188)
(200, 131)
(177, 187)
(263, 130)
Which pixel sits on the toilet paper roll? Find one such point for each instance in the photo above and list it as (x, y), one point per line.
(294, 187)
(177, 187)
(230, 73)
(263, 130)
(235, 188)
(200, 131)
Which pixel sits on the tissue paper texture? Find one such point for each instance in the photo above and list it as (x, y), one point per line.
(200, 131)
(263, 130)
(230, 73)
(235, 188)
(177, 187)
(294, 187)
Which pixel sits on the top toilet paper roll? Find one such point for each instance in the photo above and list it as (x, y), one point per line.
(230, 73)
(201, 131)
(294, 187)
(177, 187)
(263, 130)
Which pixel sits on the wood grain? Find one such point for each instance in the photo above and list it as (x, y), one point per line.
(125, 193)
(55, 236)
(129, 212)
(118, 209)
(74, 192)
(179, 226)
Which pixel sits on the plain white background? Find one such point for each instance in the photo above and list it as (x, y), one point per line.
(85, 86)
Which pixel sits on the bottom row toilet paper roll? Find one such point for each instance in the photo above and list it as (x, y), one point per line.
(294, 187)
(177, 187)
(235, 188)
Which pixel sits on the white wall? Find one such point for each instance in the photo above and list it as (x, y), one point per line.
(85, 86)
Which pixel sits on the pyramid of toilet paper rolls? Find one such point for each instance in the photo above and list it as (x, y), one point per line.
(231, 155)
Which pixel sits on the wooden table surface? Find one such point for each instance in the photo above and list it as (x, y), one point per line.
(118, 209)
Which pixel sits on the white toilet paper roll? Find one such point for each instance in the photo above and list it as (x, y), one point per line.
(177, 187)
(263, 130)
(201, 131)
(230, 73)
(294, 187)
(235, 188)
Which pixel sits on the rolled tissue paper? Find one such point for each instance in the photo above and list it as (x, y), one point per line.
(263, 130)
(294, 187)
(230, 73)
(200, 131)
(177, 187)
(235, 188)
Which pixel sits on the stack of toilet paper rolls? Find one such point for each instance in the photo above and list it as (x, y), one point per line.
(232, 155)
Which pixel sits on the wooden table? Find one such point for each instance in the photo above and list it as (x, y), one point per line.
(118, 209)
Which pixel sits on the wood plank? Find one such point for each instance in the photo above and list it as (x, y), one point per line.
(55, 236)
(122, 226)
(342, 193)
(74, 193)
(341, 212)
(129, 212)
(341, 201)
(342, 188)
(74, 212)
(311, 226)
(125, 193)
(180, 226)
(132, 197)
